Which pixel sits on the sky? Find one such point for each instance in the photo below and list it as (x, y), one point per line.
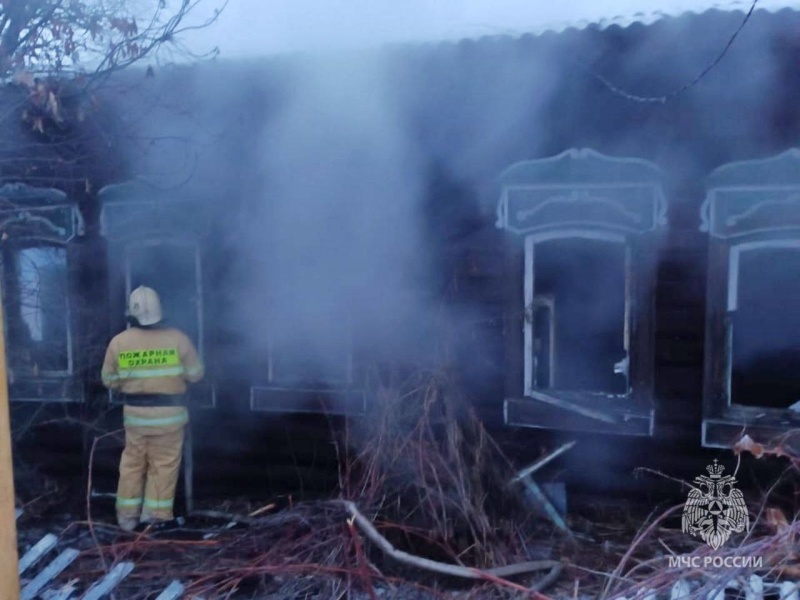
(267, 27)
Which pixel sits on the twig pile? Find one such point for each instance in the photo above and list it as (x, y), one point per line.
(424, 508)
(309, 551)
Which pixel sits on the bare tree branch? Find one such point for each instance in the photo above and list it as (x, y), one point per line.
(56, 38)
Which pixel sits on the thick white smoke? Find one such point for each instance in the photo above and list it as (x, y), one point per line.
(335, 247)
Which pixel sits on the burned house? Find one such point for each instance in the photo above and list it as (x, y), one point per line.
(607, 239)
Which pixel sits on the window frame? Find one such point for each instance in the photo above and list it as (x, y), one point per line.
(11, 251)
(581, 193)
(137, 214)
(43, 217)
(131, 245)
(749, 205)
(530, 299)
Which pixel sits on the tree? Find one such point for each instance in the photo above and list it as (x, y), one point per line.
(54, 56)
(58, 38)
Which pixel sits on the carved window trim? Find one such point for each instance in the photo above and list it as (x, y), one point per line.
(750, 205)
(582, 193)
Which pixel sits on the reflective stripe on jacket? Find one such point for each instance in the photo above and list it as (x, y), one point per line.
(165, 418)
(151, 361)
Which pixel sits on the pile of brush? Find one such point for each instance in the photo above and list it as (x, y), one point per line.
(424, 511)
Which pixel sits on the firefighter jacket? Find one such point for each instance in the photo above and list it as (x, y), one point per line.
(151, 361)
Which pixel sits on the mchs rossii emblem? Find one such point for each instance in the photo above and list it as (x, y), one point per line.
(715, 508)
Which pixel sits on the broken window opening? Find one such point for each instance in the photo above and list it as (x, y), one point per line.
(575, 332)
(173, 271)
(37, 311)
(763, 324)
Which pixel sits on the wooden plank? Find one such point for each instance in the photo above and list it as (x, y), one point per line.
(109, 582)
(788, 591)
(172, 592)
(679, 352)
(690, 292)
(65, 593)
(538, 496)
(513, 322)
(542, 462)
(680, 321)
(50, 572)
(32, 556)
(574, 407)
(641, 302)
(526, 412)
(9, 561)
(715, 376)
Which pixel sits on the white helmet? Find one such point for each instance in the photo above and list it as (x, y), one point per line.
(145, 306)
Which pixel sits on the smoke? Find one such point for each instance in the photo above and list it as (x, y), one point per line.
(319, 166)
(332, 184)
(328, 231)
(336, 247)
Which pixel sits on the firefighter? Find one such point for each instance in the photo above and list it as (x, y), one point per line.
(149, 365)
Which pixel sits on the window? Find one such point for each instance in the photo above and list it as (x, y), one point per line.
(579, 324)
(153, 237)
(43, 342)
(38, 311)
(577, 294)
(752, 215)
(764, 321)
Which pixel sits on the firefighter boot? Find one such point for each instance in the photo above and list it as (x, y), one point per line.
(127, 523)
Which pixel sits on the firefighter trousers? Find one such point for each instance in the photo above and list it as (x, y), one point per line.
(150, 464)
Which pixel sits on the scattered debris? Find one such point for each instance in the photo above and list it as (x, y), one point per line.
(173, 591)
(109, 582)
(525, 476)
(61, 562)
(33, 555)
(429, 508)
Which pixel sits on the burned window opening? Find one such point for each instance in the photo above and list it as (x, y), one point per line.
(762, 324)
(576, 333)
(37, 310)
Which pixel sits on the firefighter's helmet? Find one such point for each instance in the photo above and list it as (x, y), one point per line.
(145, 306)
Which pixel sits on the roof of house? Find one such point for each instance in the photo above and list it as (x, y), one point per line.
(647, 16)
